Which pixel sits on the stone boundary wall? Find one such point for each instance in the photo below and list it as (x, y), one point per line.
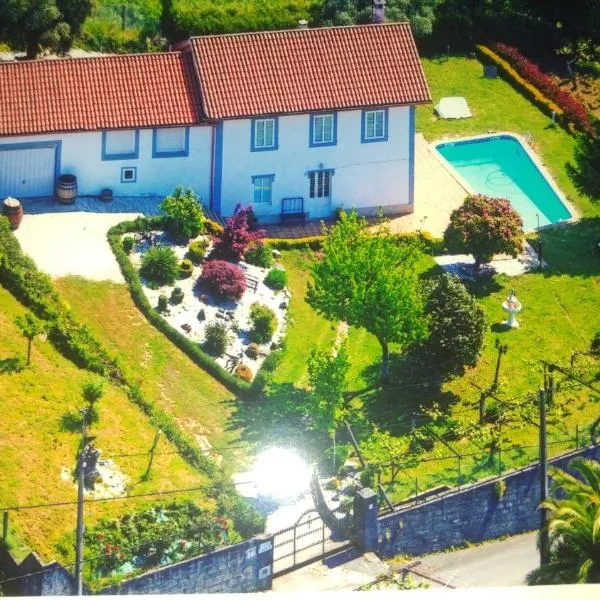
(472, 514)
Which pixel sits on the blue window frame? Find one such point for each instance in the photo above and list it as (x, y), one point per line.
(121, 144)
(262, 189)
(128, 174)
(264, 134)
(374, 126)
(323, 130)
(169, 142)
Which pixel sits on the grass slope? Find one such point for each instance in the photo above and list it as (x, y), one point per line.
(200, 404)
(36, 443)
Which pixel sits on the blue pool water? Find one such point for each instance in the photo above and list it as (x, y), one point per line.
(499, 166)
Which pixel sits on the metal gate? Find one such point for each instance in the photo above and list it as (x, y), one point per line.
(308, 540)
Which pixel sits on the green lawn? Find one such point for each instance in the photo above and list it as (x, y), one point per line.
(37, 443)
(199, 403)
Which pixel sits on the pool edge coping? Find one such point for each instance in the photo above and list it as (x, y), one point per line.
(533, 155)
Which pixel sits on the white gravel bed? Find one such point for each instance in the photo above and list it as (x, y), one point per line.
(235, 314)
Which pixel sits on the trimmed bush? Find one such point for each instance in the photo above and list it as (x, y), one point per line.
(216, 338)
(264, 323)
(185, 268)
(243, 372)
(128, 243)
(177, 296)
(276, 279)
(252, 351)
(162, 303)
(314, 242)
(197, 251)
(159, 265)
(223, 279)
(259, 254)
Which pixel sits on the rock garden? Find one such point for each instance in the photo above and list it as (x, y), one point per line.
(221, 287)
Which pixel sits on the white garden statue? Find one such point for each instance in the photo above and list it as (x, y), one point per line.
(512, 306)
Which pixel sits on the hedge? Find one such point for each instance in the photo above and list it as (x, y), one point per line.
(193, 350)
(521, 85)
(20, 276)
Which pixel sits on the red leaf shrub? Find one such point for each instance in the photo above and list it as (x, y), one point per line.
(236, 236)
(223, 279)
(574, 111)
(484, 226)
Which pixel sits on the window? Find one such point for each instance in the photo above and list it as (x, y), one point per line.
(374, 125)
(264, 134)
(170, 141)
(124, 143)
(320, 184)
(128, 175)
(262, 187)
(323, 130)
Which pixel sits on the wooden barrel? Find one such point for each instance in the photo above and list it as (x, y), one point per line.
(66, 189)
(13, 209)
(106, 195)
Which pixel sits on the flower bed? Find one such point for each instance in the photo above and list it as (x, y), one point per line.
(200, 307)
(539, 87)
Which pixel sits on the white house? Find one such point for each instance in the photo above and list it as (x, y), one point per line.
(297, 122)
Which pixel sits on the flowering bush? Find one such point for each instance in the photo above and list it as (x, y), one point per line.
(223, 279)
(158, 535)
(485, 226)
(574, 111)
(236, 236)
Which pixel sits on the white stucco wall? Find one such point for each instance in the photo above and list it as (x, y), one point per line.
(81, 155)
(366, 175)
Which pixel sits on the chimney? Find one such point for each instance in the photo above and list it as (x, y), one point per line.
(378, 11)
(303, 24)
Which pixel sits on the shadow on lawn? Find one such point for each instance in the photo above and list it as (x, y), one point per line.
(572, 249)
(11, 365)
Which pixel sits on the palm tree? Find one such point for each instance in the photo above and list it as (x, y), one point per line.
(574, 526)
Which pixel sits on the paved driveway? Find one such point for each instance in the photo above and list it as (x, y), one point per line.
(72, 243)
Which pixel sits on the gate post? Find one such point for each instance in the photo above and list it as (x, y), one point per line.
(264, 562)
(364, 530)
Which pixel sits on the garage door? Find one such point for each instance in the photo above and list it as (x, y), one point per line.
(27, 172)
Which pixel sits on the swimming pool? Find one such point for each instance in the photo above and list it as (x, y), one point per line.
(500, 166)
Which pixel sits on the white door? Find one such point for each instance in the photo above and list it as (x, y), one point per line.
(27, 172)
(319, 196)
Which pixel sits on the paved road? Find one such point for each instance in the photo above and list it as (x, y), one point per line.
(491, 564)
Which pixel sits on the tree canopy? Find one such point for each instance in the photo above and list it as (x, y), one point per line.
(369, 279)
(42, 24)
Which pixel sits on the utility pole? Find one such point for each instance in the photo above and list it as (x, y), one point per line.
(544, 540)
(80, 481)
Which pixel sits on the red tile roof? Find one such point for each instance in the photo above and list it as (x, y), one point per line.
(108, 92)
(303, 70)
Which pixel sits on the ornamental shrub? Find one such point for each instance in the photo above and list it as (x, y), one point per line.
(236, 236)
(159, 265)
(128, 243)
(276, 279)
(162, 303)
(456, 326)
(223, 279)
(185, 217)
(216, 338)
(243, 372)
(483, 227)
(177, 296)
(259, 254)
(197, 250)
(264, 323)
(252, 351)
(185, 268)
